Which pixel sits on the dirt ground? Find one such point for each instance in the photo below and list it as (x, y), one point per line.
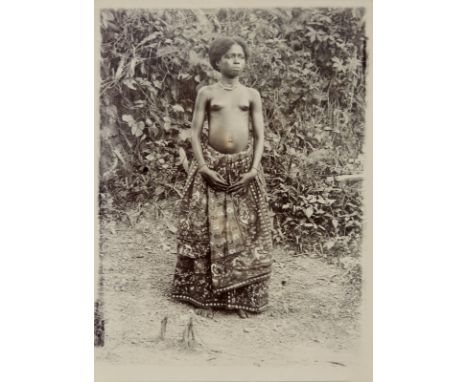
(313, 317)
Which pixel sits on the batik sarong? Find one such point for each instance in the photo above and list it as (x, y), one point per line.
(224, 247)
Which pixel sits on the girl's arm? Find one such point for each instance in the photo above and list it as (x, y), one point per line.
(259, 141)
(197, 125)
(258, 129)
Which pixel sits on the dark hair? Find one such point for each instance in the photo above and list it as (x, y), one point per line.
(221, 45)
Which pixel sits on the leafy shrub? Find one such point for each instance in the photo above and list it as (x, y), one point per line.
(309, 66)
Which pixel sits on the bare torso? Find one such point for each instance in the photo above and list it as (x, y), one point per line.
(228, 118)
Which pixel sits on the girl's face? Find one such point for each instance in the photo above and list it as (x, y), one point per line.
(232, 62)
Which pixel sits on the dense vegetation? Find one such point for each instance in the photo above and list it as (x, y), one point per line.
(309, 66)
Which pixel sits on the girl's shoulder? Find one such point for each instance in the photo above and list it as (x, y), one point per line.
(205, 92)
(251, 90)
(253, 93)
(205, 89)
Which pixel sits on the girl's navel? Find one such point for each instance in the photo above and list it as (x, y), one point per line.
(229, 141)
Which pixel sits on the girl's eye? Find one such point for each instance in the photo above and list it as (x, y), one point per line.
(231, 57)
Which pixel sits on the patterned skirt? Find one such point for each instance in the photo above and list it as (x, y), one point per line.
(224, 246)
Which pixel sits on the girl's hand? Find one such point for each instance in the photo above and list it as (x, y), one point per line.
(243, 181)
(213, 179)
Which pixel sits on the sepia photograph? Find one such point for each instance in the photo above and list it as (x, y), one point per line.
(233, 210)
(234, 191)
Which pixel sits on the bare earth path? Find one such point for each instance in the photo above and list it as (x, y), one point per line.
(312, 319)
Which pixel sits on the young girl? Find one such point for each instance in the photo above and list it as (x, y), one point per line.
(224, 238)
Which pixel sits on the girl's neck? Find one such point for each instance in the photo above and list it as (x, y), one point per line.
(229, 81)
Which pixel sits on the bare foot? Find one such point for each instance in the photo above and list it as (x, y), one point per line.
(207, 313)
(242, 313)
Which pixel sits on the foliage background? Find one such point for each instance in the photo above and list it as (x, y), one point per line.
(309, 66)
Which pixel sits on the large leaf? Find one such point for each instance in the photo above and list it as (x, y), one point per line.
(119, 71)
(309, 211)
(178, 108)
(137, 128)
(130, 83)
(150, 37)
(185, 134)
(183, 159)
(128, 118)
(193, 58)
